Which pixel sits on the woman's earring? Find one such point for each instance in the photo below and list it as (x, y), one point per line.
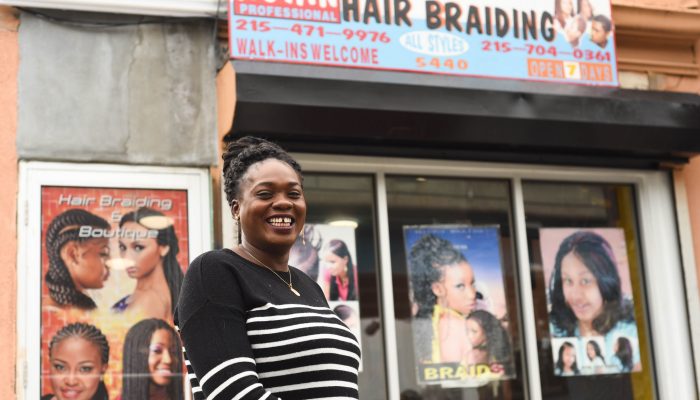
(236, 217)
(303, 239)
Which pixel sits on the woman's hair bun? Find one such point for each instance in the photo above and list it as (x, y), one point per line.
(241, 153)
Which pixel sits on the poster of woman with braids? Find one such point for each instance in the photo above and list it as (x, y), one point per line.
(328, 255)
(111, 258)
(459, 322)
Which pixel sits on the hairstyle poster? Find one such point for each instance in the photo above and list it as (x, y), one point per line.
(458, 301)
(112, 262)
(589, 298)
(327, 254)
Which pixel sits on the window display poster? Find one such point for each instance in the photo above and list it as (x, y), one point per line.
(563, 41)
(589, 298)
(328, 255)
(112, 264)
(459, 313)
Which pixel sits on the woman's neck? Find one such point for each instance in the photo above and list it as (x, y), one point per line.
(270, 259)
(586, 329)
(153, 281)
(343, 276)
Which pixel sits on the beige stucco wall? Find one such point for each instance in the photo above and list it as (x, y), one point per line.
(9, 63)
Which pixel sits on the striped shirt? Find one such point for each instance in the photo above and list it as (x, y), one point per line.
(247, 336)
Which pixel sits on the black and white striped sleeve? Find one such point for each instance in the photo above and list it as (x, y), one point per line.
(218, 355)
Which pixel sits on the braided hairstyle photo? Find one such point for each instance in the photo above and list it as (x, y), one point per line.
(428, 255)
(426, 260)
(62, 230)
(94, 337)
(166, 237)
(137, 379)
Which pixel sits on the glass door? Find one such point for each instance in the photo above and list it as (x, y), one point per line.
(492, 281)
(588, 290)
(455, 288)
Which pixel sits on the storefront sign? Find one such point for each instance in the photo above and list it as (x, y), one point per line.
(591, 309)
(459, 323)
(552, 40)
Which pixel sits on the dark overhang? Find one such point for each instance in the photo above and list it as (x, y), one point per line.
(334, 110)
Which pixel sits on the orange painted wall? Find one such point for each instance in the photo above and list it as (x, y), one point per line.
(9, 64)
(691, 174)
(686, 84)
(687, 4)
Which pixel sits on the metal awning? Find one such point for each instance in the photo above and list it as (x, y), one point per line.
(335, 110)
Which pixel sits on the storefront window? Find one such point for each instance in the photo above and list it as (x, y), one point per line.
(588, 291)
(455, 291)
(340, 237)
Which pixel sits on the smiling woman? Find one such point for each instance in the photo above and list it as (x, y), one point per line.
(78, 354)
(152, 362)
(585, 289)
(252, 326)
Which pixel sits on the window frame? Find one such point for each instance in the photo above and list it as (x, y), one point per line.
(667, 308)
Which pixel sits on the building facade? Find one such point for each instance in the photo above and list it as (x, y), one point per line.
(397, 154)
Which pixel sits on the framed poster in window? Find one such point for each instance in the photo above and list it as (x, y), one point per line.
(103, 250)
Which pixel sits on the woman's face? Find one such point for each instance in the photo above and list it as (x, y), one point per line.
(160, 360)
(76, 368)
(88, 267)
(456, 289)
(336, 265)
(143, 251)
(475, 333)
(568, 357)
(271, 206)
(590, 351)
(581, 291)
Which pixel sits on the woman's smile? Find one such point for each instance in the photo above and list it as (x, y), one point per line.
(280, 221)
(68, 393)
(160, 358)
(282, 224)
